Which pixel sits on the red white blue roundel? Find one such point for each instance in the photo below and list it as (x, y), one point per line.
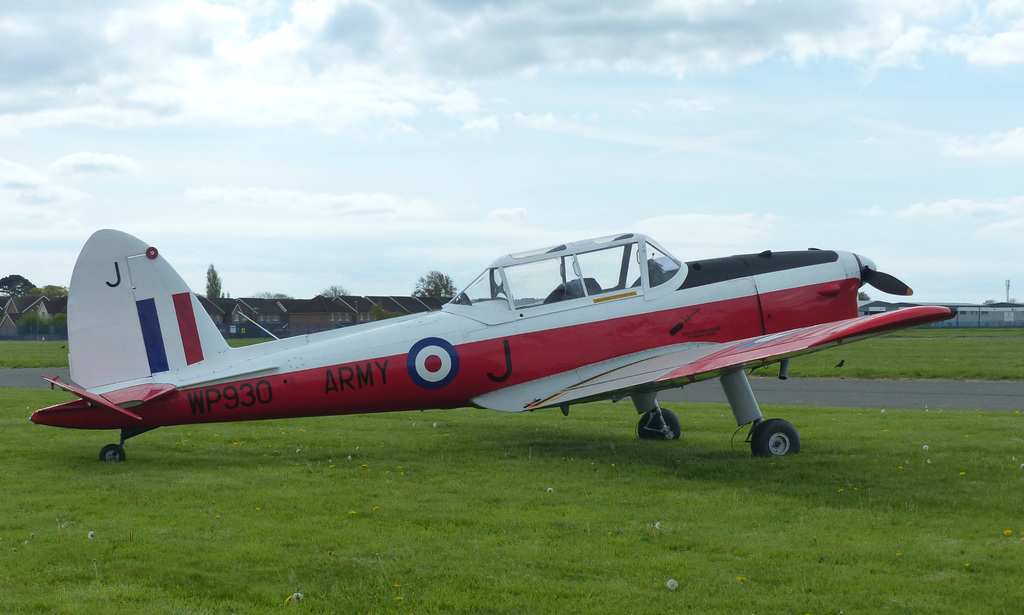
(432, 363)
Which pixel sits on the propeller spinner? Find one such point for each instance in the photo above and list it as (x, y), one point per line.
(869, 274)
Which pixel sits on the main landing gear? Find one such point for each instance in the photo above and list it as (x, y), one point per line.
(770, 438)
(767, 438)
(115, 452)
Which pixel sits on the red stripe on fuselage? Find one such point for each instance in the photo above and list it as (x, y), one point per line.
(187, 326)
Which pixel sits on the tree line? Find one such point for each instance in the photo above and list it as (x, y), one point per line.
(432, 284)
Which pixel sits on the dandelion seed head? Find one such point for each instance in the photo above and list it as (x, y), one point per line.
(925, 447)
(91, 535)
(657, 525)
(551, 489)
(435, 424)
(672, 584)
(883, 410)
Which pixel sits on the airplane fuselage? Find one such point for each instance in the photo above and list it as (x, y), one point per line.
(446, 359)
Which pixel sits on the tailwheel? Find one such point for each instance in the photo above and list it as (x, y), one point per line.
(774, 438)
(658, 424)
(112, 452)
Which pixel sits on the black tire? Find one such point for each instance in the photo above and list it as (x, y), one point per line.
(649, 426)
(774, 438)
(112, 452)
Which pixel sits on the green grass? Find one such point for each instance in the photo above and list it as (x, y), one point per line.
(458, 518)
(33, 354)
(972, 354)
(55, 353)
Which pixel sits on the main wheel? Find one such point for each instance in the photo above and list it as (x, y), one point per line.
(112, 452)
(773, 438)
(652, 427)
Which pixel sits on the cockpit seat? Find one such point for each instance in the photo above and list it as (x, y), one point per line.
(573, 290)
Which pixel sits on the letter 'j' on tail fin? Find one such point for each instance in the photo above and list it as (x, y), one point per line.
(131, 316)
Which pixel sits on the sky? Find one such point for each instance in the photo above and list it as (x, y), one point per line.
(363, 143)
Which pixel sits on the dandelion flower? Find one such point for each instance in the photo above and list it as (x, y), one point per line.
(91, 535)
(672, 584)
(1007, 532)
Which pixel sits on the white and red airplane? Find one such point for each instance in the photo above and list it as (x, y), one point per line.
(605, 318)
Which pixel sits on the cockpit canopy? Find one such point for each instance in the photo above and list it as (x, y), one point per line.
(571, 271)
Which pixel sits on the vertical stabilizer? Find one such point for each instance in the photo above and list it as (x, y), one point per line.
(131, 316)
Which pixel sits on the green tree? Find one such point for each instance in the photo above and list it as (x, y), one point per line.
(212, 283)
(379, 313)
(51, 291)
(15, 286)
(435, 284)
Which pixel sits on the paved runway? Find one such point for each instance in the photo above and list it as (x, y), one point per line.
(933, 394)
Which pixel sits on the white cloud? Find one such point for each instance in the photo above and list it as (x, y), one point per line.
(482, 126)
(344, 64)
(22, 186)
(963, 208)
(904, 51)
(999, 145)
(91, 163)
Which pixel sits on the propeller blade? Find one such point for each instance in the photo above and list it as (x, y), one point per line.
(885, 282)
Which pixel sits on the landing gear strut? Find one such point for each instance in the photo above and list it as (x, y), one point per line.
(655, 422)
(115, 452)
(769, 438)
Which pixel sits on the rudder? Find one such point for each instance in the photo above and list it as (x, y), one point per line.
(131, 316)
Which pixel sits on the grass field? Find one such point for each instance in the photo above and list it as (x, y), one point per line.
(481, 512)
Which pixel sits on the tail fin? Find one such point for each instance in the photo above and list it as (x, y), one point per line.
(131, 316)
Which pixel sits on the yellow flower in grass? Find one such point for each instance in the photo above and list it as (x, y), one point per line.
(1007, 532)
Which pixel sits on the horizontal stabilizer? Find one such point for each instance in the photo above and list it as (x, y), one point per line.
(116, 400)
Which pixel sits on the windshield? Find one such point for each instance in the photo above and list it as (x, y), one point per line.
(488, 289)
(511, 283)
(660, 266)
(545, 281)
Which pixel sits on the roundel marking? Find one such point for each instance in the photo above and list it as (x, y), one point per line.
(152, 253)
(432, 363)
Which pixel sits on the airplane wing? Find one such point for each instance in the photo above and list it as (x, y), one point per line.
(677, 365)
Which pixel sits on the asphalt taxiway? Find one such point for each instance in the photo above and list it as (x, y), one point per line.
(842, 392)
